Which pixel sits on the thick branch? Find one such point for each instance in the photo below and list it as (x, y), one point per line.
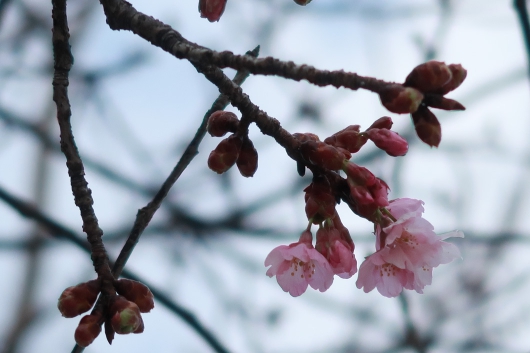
(82, 194)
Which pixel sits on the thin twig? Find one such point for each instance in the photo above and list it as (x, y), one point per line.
(522, 11)
(57, 230)
(145, 214)
(121, 15)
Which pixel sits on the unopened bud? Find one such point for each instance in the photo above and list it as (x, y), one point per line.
(440, 102)
(384, 122)
(401, 100)
(221, 122)
(322, 155)
(358, 175)
(427, 126)
(458, 76)
(349, 138)
(389, 141)
(78, 299)
(212, 9)
(247, 162)
(87, 330)
(126, 317)
(429, 77)
(302, 2)
(224, 156)
(137, 293)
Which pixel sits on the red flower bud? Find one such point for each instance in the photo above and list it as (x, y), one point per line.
(78, 299)
(87, 330)
(359, 175)
(137, 293)
(224, 156)
(212, 9)
(302, 137)
(221, 122)
(302, 2)
(384, 122)
(427, 127)
(322, 155)
(126, 317)
(401, 100)
(247, 162)
(437, 101)
(429, 76)
(349, 138)
(320, 202)
(389, 141)
(458, 76)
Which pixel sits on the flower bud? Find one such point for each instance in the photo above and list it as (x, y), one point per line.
(437, 101)
(349, 138)
(212, 9)
(427, 127)
(322, 155)
(320, 202)
(458, 76)
(224, 156)
(221, 122)
(126, 317)
(78, 299)
(302, 2)
(384, 122)
(247, 162)
(429, 77)
(401, 100)
(87, 330)
(389, 141)
(135, 292)
(359, 175)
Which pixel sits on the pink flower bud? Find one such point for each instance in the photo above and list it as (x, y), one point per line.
(88, 329)
(224, 156)
(137, 293)
(349, 138)
(437, 101)
(221, 122)
(359, 175)
(384, 122)
(401, 100)
(458, 76)
(212, 9)
(78, 299)
(126, 317)
(389, 141)
(427, 127)
(247, 162)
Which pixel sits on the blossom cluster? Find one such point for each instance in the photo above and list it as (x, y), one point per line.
(407, 251)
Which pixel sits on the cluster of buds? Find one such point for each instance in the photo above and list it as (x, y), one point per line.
(122, 314)
(232, 150)
(424, 87)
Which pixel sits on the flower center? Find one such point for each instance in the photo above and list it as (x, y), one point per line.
(304, 268)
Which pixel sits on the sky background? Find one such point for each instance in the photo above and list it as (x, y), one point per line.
(135, 108)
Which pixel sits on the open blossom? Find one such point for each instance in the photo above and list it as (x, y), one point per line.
(298, 265)
(407, 251)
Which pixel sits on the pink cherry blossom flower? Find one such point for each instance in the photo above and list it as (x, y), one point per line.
(407, 251)
(298, 265)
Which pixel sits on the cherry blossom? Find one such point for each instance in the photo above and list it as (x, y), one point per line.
(298, 265)
(407, 251)
(338, 251)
